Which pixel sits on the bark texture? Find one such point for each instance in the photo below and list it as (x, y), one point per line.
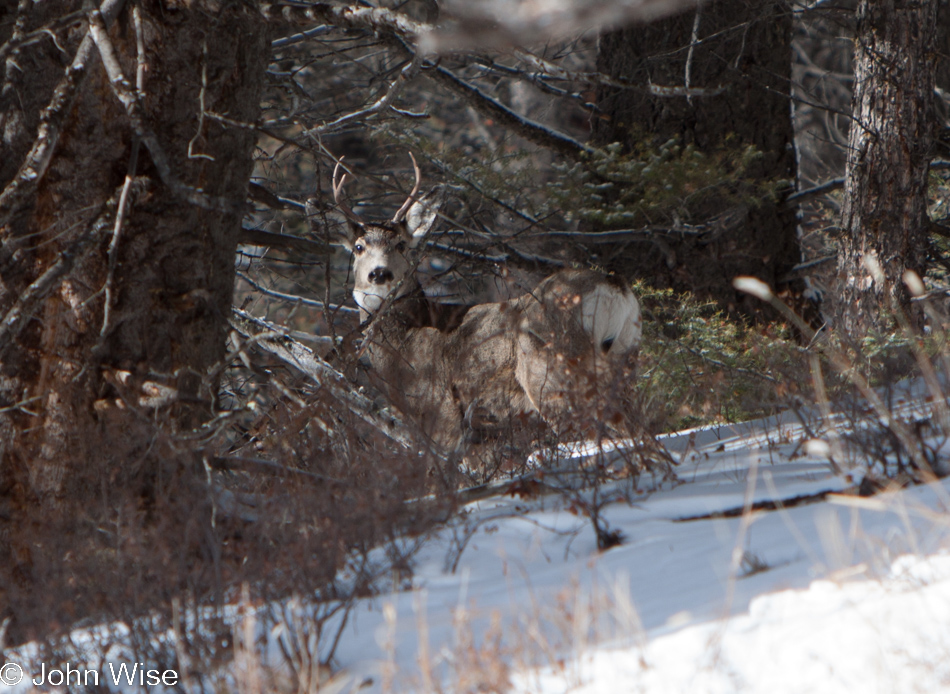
(171, 276)
(884, 222)
(735, 56)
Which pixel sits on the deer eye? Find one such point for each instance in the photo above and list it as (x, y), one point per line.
(401, 246)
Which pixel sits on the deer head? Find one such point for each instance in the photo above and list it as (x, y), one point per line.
(381, 260)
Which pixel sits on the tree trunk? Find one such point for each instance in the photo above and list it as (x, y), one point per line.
(150, 302)
(942, 81)
(884, 225)
(731, 61)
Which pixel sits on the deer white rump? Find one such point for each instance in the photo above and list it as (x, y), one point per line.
(565, 353)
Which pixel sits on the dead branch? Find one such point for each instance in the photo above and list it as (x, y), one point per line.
(259, 237)
(44, 32)
(259, 193)
(528, 129)
(294, 299)
(304, 360)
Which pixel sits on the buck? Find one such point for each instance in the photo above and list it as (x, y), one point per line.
(562, 354)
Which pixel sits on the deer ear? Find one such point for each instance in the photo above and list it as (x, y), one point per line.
(353, 232)
(422, 215)
(347, 238)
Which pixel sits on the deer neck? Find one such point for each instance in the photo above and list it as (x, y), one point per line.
(415, 310)
(407, 311)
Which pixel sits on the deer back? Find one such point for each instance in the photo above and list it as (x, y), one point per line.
(577, 346)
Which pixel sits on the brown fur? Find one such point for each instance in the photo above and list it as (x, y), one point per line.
(561, 354)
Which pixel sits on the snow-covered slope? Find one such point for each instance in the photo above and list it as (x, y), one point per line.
(822, 593)
(814, 590)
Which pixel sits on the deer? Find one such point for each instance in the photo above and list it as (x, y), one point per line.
(560, 355)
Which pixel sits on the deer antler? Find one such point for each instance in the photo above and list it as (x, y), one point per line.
(338, 183)
(401, 212)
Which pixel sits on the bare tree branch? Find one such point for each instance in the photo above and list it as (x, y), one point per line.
(528, 129)
(294, 299)
(404, 33)
(259, 193)
(803, 196)
(381, 105)
(44, 32)
(259, 237)
(347, 17)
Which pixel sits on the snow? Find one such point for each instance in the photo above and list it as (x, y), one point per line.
(822, 592)
(838, 594)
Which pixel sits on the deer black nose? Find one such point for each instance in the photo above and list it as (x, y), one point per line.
(380, 275)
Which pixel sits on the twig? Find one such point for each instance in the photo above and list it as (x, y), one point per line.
(621, 235)
(46, 31)
(286, 41)
(381, 105)
(402, 32)
(113, 253)
(843, 364)
(548, 70)
(259, 193)
(267, 466)
(694, 39)
(809, 194)
(201, 105)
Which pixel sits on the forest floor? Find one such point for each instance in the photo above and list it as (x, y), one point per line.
(759, 570)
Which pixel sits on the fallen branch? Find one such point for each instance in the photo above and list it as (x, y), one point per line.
(302, 358)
